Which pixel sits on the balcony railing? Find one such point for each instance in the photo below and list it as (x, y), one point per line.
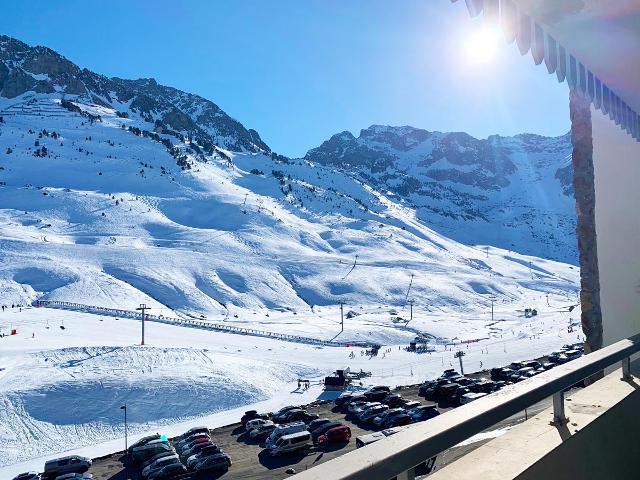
(398, 455)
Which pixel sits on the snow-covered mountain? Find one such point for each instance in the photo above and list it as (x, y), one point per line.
(117, 191)
(513, 192)
(120, 192)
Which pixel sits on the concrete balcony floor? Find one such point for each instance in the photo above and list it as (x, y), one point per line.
(600, 440)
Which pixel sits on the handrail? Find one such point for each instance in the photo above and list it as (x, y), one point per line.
(398, 455)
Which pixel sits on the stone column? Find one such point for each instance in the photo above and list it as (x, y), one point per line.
(584, 188)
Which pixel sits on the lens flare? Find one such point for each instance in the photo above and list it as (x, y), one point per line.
(482, 45)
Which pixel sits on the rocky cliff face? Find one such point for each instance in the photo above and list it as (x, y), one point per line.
(515, 192)
(26, 69)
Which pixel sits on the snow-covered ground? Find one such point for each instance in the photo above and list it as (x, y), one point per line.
(107, 218)
(61, 389)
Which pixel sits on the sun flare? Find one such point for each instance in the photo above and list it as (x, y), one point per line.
(482, 45)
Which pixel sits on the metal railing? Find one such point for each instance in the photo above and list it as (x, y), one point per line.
(398, 455)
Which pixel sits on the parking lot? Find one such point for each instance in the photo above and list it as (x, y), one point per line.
(250, 461)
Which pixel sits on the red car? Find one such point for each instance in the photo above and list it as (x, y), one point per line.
(335, 434)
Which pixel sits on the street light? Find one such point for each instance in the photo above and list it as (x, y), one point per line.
(124, 407)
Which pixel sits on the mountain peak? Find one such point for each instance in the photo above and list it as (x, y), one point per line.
(40, 70)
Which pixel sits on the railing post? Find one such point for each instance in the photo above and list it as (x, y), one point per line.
(626, 369)
(408, 475)
(559, 417)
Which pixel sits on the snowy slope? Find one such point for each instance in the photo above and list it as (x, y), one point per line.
(512, 192)
(78, 377)
(107, 218)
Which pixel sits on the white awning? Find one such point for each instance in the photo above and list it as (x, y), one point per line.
(593, 45)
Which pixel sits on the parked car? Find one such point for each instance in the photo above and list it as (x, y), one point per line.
(70, 464)
(557, 358)
(217, 462)
(197, 448)
(410, 404)
(168, 453)
(322, 429)
(313, 424)
(380, 419)
(343, 398)
(445, 391)
(393, 400)
(354, 399)
(501, 373)
(422, 391)
(192, 439)
(143, 441)
(193, 431)
(257, 416)
(516, 365)
(450, 372)
(470, 397)
(397, 420)
(486, 386)
(424, 412)
(430, 392)
(279, 415)
(355, 405)
(369, 414)
(300, 415)
(285, 429)
(528, 372)
(370, 438)
(255, 423)
(263, 430)
(27, 476)
(169, 471)
(248, 415)
(335, 435)
(547, 365)
(464, 381)
(159, 464)
(533, 364)
(205, 452)
(366, 406)
(454, 399)
(291, 443)
(193, 443)
(573, 354)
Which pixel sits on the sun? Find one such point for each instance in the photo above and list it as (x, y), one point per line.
(482, 45)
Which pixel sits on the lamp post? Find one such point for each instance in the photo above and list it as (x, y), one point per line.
(124, 407)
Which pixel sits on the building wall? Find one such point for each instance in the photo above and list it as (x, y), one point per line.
(616, 159)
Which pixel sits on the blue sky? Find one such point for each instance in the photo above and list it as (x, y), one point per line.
(300, 71)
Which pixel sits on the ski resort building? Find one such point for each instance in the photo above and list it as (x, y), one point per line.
(593, 46)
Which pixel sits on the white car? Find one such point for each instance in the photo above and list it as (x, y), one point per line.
(255, 423)
(262, 429)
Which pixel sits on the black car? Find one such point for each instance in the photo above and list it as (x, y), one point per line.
(457, 395)
(211, 463)
(398, 420)
(280, 414)
(170, 471)
(446, 390)
(342, 399)
(251, 415)
(486, 386)
(322, 429)
(422, 391)
(425, 412)
(376, 395)
(313, 424)
(393, 400)
(300, 415)
(430, 392)
(27, 476)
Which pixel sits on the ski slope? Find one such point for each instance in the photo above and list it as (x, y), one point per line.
(80, 375)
